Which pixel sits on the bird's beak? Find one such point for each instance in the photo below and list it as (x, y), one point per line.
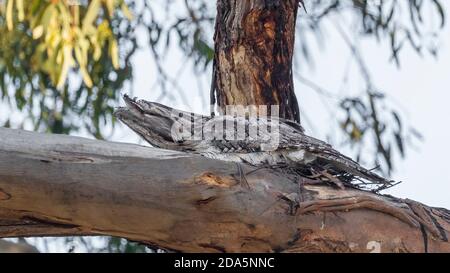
(133, 105)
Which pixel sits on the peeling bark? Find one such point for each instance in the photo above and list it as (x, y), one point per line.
(61, 186)
(254, 42)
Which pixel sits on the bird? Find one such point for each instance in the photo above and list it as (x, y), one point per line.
(264, 142)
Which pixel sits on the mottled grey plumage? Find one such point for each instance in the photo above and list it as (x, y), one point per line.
(295, 150)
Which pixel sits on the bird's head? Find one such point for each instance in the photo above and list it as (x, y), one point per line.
(153, 121)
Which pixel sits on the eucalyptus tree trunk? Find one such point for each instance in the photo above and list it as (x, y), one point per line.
(254, 44)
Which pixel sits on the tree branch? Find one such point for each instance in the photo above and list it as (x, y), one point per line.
(20, 247)
(54, 185)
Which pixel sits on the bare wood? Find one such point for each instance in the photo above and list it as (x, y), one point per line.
(57, 185)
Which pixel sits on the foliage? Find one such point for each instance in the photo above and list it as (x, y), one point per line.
(42, 41)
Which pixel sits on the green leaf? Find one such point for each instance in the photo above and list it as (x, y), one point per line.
(126, 11)
(110, 6)
(114, 52)
(66, 65)
(38, 31)
(91, 14)
(20, 10)
(48, 15)
(86, 77)
(9, 14)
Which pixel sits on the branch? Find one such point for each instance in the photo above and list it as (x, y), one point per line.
(54, 185)
(20, 247)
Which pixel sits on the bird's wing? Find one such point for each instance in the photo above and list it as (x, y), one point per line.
(289, 137)
(249, 135)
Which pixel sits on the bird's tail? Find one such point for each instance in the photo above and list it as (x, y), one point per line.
(354, 172)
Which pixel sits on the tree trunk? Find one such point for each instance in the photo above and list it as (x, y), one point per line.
(254, 43)
(54, 185)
